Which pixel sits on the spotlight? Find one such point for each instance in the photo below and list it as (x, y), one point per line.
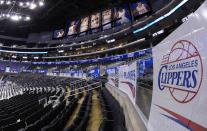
(8, 15)
(32, 6)
(15, 17)
(27, 3)
(19, 17)
(27, 18)
(1, 2)
(8, 2)
(41, 3)
(20, 3)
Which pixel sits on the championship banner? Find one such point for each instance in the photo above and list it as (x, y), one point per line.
(179, 101)
(113, 76)
(128, 80)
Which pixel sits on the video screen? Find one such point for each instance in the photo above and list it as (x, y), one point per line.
(58, 33)
(73, 27)
(122, 15)
(84, 24)
(140, 7)
(95, 20)
(106, 19)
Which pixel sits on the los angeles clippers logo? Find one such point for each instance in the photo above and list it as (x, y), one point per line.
(181, 72)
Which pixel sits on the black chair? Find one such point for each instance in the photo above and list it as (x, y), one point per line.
(112, 112)
(15, 126)
(107, 125)
(8, 121)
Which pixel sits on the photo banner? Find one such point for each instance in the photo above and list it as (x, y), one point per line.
(106, 19)
(84, 24)
(180, 78)
(122, 15)
(95, 20)
(58, 33)
(140, 7)
(73, 27)
(128, 80)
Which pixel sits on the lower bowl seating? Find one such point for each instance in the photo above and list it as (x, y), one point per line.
(44, 105)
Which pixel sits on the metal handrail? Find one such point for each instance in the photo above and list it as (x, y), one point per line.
(85, 86)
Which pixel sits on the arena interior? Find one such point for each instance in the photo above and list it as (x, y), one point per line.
(103, 65)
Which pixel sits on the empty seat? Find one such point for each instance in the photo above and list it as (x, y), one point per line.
(14, 126)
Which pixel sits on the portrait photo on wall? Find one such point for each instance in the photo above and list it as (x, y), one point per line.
(84, 25)
(58, 33)
(73, 27)
(95, 22)
(106, 19)
(121, 15)
(140, 7)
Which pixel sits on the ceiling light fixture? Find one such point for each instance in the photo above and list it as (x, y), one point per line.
(15, 18)
(41, 3)
(32, 6)
(27, 18)
(9, 11)
(8, 2)
(1, 2)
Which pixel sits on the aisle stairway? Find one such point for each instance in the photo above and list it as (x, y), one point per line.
(96, 116)
(74, 114)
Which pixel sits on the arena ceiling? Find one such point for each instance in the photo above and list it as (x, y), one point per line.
(54, 14)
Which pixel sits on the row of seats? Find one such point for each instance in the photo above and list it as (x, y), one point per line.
(59, 123)
(112, 112)
(28, 111)
(16, 110)
(80, 122)
(24, 112)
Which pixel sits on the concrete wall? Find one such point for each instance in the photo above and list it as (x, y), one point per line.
(134, 121)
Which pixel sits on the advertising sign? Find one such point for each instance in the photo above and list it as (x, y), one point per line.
(128, 80)
(179, 87)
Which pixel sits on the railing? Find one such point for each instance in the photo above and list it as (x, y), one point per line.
(84, 88)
